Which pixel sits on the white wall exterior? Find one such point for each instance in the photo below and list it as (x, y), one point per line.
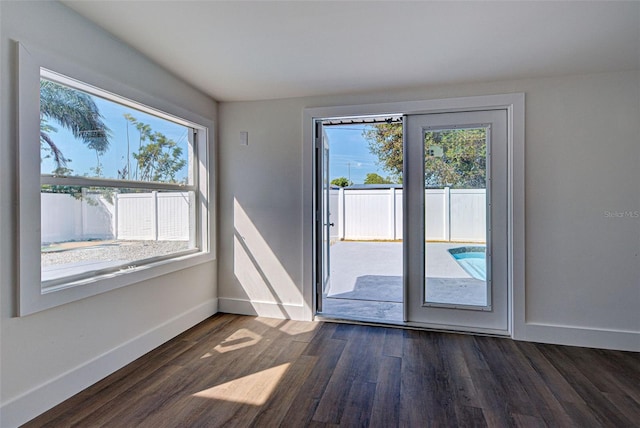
(582, 160)
(51, 355)
(65, 218)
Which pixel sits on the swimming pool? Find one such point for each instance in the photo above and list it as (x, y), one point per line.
(472, 259)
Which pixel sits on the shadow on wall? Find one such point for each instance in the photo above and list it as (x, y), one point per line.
(257, 268)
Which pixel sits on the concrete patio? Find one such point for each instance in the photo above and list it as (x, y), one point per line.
(366, 280)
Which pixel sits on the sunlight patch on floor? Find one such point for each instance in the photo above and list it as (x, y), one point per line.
(271, 322)
(289, 327)
(254, 389)
(298, 327)
(242, 338)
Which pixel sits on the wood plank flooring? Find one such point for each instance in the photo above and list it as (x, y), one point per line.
(238, 371)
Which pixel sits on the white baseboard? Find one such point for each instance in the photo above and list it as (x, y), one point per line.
(578, 336)
(262, 309)
(530, 332)
(42, 398)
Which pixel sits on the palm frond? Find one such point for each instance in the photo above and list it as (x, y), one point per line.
(75, 111)
(58, 157)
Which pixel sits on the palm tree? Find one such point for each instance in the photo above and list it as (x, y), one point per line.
(75, 111)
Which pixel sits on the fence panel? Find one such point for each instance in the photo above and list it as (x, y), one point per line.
(468, 215)
(357, 214)
(371, 214)
(173, 216)
(436, 218)
(334, 215)
(127, 216)
(136, 220)
(366, 214)
(398, 215)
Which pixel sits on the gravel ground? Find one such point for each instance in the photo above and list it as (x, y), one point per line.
(114, 250)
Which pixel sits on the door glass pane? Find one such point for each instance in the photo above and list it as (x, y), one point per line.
(455, 184)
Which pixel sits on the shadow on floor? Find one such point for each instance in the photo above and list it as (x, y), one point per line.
(377, 288)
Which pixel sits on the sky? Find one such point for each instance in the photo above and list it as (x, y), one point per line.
(349, 154)
(83, 159)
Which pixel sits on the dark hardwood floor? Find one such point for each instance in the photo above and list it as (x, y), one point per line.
(239, 371)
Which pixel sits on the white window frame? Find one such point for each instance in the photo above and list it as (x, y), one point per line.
(32, 296)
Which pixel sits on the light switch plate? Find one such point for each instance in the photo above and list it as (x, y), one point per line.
(244, 138)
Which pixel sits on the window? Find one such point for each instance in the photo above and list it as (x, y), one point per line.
(123, 188)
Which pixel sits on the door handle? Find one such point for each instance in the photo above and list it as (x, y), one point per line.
(330, 224)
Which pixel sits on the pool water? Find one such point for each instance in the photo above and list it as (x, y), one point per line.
(472, 259)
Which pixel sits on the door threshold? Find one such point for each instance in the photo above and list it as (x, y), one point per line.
(345, 319)
(404, 325)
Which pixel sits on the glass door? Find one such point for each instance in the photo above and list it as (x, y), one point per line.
(323, 224)
(358, 237)
(326, 215)
(456, 238)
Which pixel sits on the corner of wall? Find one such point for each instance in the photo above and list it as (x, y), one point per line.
(43, 397)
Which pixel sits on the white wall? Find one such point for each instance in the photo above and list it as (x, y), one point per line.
(64, 217)
(53, 354)
(582, 160)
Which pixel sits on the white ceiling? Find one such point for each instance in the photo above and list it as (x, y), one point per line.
(263, 50)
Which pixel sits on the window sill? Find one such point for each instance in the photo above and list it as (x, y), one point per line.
(77, 290)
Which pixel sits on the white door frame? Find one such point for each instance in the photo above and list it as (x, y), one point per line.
(513, 103)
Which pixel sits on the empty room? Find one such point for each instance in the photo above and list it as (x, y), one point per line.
(319, 213)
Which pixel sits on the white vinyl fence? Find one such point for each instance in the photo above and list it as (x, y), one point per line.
(357, 214)
(376, 214)
(159, 216)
